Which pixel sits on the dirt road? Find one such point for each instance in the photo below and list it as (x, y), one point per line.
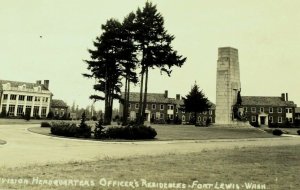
(24, 147)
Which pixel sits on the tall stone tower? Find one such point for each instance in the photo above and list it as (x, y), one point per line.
(228, 84)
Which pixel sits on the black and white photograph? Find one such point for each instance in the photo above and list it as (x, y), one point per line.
(149, 94)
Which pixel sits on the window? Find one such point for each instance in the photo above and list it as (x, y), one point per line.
(136, 106)
(210, 119)
(210, 112)
(270, 110)
(261, 109)
(62, 112)
(291, 120)
(289, 110)
(36, 110)
(279, 119)
(253, 118)
(56, 111)
(13, 97)
(183, 118)
(5, 96)
(171, 116)
(271, 119)
(11, 110)
(20, 110)
(129, 105)
(37, 99)
(162, 106)
(152, 115)
(245, 109)
(44, 110)
(253, 110)
(29, 98)
(21, 97)
(176, 110)
(279, 110)
(170, 107)
(199, 118)
(153, 106)
(204, 119)
(161, 116)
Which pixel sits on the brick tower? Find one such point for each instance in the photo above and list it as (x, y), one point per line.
(228, 84)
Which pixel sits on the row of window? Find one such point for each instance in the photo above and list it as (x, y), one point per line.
(21, 111)
(23, 97)
(170, 107)
(271, 110)
(153, 106)
(271, 119)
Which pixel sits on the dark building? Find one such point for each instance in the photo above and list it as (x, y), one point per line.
(59, 108)
(266, 110)
(160, 108)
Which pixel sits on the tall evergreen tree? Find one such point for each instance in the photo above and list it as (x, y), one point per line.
(128, 59)
(196, 102)
(154, 48)
(105, 66)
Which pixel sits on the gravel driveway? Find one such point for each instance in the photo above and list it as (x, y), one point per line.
(24, 147)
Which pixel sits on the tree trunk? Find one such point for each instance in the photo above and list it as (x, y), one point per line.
(145, 97)
(128, 94)
(139, 119)
(125, 103)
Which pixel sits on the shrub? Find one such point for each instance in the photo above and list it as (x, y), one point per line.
(27, 115)
(50, 115)
(130, 132)
(64, 129)
(277, 132)
(298, 132)
(3, 114)
(99, 130)
(84, 130)
(45, 124)
(254, 124)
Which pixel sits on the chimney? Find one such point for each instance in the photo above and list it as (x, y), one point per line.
(46, 83)
(283, 97)
(39, 82)
(286, 97)
(166, 94)
(177, 96)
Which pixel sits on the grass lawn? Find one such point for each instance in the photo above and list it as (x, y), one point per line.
(274, 167)
(189, 132)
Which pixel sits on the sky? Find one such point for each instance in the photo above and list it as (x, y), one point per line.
(48, 39)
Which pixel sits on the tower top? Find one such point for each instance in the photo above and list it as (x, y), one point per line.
(227, 52)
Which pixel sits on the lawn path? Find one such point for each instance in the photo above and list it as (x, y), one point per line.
(24, 147)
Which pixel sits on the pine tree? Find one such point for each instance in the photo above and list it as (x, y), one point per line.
(196, 102)
(105, 66)
(154, 46)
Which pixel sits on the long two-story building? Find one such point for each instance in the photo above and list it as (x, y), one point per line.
(161, 108)
(265, 110)
(18, 98)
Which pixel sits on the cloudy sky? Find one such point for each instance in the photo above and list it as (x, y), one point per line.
(48, 39)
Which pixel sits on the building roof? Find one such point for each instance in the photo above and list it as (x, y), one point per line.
(158, 98)
(151, 97)
(265, 101)
(58, 104)
(18, 83)
(297, 110)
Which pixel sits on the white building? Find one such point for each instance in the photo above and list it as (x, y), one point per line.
(18, 98)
